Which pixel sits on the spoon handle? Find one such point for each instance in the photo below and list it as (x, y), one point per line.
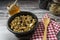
(13, 4)
(45, 34)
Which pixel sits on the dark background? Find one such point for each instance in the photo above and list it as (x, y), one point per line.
(22, 3)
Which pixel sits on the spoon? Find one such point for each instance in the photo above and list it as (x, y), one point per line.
(46, 22)
(12, 5)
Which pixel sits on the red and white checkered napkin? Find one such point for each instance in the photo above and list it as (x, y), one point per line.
(53, 29)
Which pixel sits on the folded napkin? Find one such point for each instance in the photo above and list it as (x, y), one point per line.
(53, 29)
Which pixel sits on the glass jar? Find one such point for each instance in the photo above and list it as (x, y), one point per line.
(55, 9)
(14, 9)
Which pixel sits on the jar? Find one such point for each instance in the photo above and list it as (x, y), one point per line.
(55, 9)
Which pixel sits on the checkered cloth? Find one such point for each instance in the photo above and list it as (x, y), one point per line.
(53, 29)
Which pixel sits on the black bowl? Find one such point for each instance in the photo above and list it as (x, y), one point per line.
(23, 34)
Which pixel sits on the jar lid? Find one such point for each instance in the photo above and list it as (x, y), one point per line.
(56, 1)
